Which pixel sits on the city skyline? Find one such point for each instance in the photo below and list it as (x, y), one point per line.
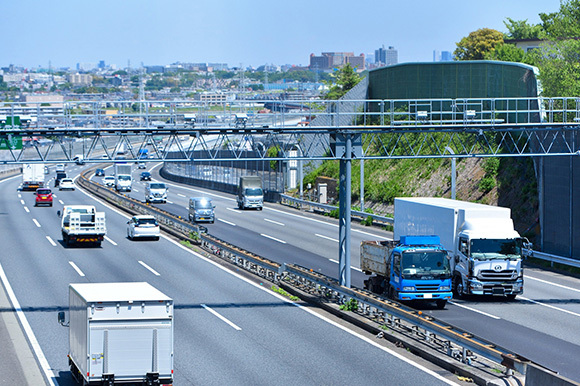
(250, 33)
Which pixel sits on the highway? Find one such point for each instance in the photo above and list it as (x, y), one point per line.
(229, 329)
(540, 325)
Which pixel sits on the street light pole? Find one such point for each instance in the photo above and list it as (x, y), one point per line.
(450, 150)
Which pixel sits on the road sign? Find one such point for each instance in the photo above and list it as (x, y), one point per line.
(11, 142)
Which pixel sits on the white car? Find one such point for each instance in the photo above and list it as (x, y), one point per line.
(66, 184)
(143, 226)
(109, 181)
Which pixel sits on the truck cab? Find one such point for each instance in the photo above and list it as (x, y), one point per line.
(156, 192)
(416, 268)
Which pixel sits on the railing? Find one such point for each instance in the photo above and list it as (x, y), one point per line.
(555, 259)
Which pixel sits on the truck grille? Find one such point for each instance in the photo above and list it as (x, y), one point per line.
(427, 287)
(490, 275)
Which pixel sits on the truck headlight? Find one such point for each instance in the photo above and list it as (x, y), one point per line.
(477, 286)
(408, 289)
(444, 288)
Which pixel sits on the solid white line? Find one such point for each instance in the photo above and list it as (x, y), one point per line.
(181, 195)
(273, 238)
(326, 237)
(227, 222)
(26, 209)
(474, 310)
(550, 283)
(221, 317)
(109, 240)
(51, 241)
(28, 330)
(61, 202)
(36, 222)
(76, 268)
(22, 202)
(549, 306)
(274, 222)
(149, 268)
(355, 268)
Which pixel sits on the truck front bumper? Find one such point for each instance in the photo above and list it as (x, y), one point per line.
(425, 295)
(476, 287)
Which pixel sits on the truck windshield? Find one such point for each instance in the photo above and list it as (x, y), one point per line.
(488, 249)
(425, 263)
(253, 191)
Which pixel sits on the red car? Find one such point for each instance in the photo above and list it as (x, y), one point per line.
(43, 197)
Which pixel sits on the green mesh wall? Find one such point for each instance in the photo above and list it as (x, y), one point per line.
(461, 79)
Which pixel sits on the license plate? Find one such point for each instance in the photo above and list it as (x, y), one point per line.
(498, 291)
(428, 296)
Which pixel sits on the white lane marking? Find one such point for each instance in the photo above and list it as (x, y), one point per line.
(474, 310)
(135, 190)
(61, 202)
(36, 222)
(355, 268)
(550, 283)
(549, 306)
(326, 237)
(51, 241)
(81, 273)
(274, 222)
(221, 317)
(22, 202)
(19, 195)
(181, 195)
(28, 330)
(273, 238)
(169, 202)
(26, 209)
(227, 222)
(149, 268)
(234, 210)
(109, 240)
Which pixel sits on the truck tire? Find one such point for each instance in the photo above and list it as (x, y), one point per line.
(391, 293)
(457, 287)
(441, 303)
(511, 297)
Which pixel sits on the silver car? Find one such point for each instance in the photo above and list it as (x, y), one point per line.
(143, 226)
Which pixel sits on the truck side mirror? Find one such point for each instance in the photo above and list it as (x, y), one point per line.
(61, 319)
(456, 259)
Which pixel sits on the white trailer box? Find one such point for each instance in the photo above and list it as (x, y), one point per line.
(485, 249)
(120, 332)
(32, 176)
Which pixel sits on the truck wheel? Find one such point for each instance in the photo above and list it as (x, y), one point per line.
(391, 293)
(511, 297)
(441, 303)
(457, 287)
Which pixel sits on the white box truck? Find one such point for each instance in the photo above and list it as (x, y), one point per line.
(250, 193)
(123, 179)
(485, 249)
(32, 176)
(120, 333)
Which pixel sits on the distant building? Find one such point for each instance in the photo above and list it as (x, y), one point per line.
(526, 44)
(443, 56)
(211, 97)
(152, 69)
(101, 64)
(80, 79)
(386, 57)
(330, 60)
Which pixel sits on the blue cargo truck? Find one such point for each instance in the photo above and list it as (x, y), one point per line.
(415, 268)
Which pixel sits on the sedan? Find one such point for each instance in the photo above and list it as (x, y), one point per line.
(143, 226)
(109, 181)
(99, 172)
(43, 197)
(66, 184)
(145, 176)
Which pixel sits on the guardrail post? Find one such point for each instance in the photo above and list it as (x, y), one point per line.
(344, 214)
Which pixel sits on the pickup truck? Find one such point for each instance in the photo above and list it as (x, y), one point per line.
(82, 224)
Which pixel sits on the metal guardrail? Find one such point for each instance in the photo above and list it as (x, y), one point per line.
(555, 259)
(298, 203)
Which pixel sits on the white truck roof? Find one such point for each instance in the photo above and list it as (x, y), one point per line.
(119, 292)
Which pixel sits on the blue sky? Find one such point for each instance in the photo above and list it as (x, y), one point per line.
(250, 33)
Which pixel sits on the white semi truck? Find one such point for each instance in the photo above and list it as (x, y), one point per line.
(32, 176)
(485, 249)
(82, 224)
(119, 333)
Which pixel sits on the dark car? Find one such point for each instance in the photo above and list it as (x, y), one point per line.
(59, 176)
(99, 172)
(145, 176)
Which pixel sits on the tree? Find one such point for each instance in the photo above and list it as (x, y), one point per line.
(507, 53)
(477, 44)
(345, 79)
(520, 29)
(559, 65)
(565, 23)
